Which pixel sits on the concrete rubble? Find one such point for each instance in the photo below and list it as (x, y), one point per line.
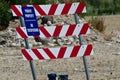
(9, 38)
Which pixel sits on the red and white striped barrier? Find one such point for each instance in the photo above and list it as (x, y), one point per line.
(54, 9)
(57, 53)
(56, 31)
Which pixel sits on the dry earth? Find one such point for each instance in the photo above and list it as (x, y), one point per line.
(103, 65)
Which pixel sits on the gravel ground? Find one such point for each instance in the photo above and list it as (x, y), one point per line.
(103, 65)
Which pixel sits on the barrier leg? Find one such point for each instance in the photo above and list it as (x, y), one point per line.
(28, 47)
(84, 58)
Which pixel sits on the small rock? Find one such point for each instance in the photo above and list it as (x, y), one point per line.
(3, 42)
(15, 45)
(108, 44)
(94, 38)
(60, 42)
(17, 20)
(76, 69)
(71, 39)
(31, 45)
(1, 46)
(118, 41)
(22, 44)
(117, 53)
(62, 23)
(52, 44)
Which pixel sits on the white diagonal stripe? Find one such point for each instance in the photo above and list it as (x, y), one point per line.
(77, 29)
(36, 12)
(24, 58)
(42, 35)
(18, 35)
(73, 8)
(88, 31)
(55, 51)
(32, 54)
(50, 29)
(68, 52)
(82, 50)
(59, 9)
(19, 7)
(45, 8)
(64, 30)
(43, 53)
(13, 13)
(24, 30)
(92, 52)
(84, 10)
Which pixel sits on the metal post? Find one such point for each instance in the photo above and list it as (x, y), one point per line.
(28, 47)
(84, 58)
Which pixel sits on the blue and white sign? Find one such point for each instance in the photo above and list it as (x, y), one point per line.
(30, 21)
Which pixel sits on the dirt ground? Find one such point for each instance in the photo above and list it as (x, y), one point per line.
(103, 65)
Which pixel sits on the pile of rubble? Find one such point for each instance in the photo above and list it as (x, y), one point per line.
(9, 38)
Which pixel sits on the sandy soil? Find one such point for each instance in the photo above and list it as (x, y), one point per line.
(103, 65)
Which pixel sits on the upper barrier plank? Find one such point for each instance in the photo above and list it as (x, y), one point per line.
(54, 9)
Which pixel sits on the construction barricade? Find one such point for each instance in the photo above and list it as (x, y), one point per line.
(30, 29)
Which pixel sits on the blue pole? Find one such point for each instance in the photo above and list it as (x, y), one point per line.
(84, 58)
(28, 47)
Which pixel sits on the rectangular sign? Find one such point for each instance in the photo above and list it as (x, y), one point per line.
(30, 21)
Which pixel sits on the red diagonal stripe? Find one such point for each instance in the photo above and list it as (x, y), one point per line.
(70, 29)
(26, 54)
(57, 31)
(88, 50)
(21, 33)
(66, 8)
(80, 7)
(39, 9)
(16, 11)
(49, 53)
(45, 32)
(75, 51)
(84, 28)
(38, 54)
(62, 52)
(53, 9)
(36, 36)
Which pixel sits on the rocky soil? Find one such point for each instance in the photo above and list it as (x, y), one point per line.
(103, 65)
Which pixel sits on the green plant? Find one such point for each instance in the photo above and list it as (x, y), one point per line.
(5, 15)
(98, 23)
(39, 1)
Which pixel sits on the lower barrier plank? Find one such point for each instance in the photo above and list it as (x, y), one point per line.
(57, 53)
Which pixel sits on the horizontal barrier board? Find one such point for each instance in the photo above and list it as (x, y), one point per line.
(57, 53)
(56, 31)
(54, 9)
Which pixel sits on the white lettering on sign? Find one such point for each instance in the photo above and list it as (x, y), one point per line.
(29, 15)
(28, 10)
(31, 25)
(32, 30)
